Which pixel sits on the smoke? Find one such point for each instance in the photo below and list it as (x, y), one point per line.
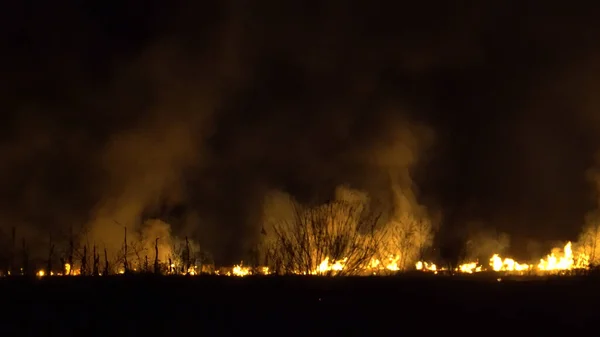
(387, 187)
(194, 126)
(145, 170)
(484, 242)
(197, 114)
(147, 167)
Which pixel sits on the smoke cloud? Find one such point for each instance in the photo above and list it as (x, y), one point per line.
(194, 114)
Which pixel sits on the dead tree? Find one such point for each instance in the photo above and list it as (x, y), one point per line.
(106, 271)
(71, 250)
(170, 266)
(340, 231)
(50, 256)
(96, 262)
(25, 259)
(156, 264)
(83, 266)
(125, 264)
(11, 267)
(186, 256)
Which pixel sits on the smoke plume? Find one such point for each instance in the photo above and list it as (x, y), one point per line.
(194, 113)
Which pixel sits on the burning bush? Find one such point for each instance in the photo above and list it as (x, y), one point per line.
(338, 238)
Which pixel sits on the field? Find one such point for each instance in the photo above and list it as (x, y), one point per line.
(420, 304)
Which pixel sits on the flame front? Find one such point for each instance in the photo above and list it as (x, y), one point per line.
(559, 260)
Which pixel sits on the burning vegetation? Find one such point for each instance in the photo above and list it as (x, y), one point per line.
(345, 237)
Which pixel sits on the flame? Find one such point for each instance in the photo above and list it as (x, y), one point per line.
(507, 264)
(564, 261)
(240, 271)
(426, 266)
(469, 268)
(558, 260)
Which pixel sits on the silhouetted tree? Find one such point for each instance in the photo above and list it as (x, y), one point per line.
(156, 262)
(71, 251)
(83, 266)
(106, 271)
(339, 230)
(95, 268)
(186, 256)
(25, 258)
(13, 249)
(50, 255)
(125, 264)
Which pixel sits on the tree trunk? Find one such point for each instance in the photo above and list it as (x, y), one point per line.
(106, 270)
(125, 264)
(156, 264)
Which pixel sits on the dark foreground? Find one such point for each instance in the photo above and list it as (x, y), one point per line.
(277, 306)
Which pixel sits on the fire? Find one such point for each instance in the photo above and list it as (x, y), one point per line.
(469, 268)
(558, 260)
(565, 262)
(425, 266)
(507, 264)
(240, 271)
(555, 261)
(325, 266)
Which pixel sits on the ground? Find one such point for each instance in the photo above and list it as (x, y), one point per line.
(424, 305)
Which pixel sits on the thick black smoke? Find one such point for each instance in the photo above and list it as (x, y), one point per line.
(194, 112)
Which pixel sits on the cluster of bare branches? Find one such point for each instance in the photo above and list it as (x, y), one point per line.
(589, 239)
(407, 237)
(338, 231)
(142, 254)
(77, 256)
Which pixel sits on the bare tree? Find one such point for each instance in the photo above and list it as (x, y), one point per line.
(96, 266)
(13, 249)
(156, 261)
(125, 263)
(83, 265)
(588, 240)
(25, 252)
(340, 231)
(406, 240)
(50, 255)
(106, 271)
(71, 251)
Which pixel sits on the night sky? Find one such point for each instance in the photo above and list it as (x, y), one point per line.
(194, 111)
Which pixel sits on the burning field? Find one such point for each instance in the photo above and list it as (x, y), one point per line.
(558, 262)
(342, 238)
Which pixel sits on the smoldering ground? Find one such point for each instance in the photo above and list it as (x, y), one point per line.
(194, 113)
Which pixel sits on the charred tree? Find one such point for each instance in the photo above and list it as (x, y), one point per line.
(83, 266)
(125, 264)
(186, 256)
(13, 249)
(339, 230)
(25, 270)
(170, 266)
(95, 268)
(156, 264)
(71, 249)
(106, 266)
(50, 256)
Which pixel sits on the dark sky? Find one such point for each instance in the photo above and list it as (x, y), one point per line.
(195, 110)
